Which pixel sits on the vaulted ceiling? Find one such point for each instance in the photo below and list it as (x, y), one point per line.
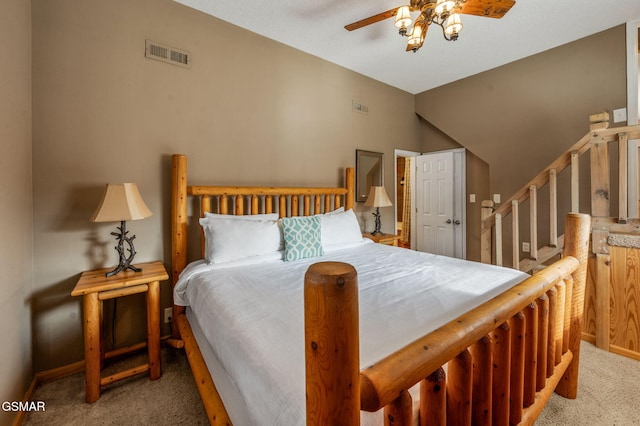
(377, 51)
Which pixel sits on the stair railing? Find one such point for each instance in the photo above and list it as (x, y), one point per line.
(598, 142)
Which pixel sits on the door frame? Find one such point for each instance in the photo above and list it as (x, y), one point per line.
(403, 153)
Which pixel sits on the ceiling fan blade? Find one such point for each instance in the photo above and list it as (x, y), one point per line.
(488, 8)
(372, 19)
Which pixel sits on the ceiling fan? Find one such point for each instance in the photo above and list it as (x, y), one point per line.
(444, 13)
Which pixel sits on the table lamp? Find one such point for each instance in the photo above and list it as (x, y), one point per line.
(122, 202)
(377, 198)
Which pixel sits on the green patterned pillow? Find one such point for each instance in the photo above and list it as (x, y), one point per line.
(302, 237)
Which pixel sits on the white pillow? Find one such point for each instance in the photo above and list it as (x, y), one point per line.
(339, 228)
(229, 239)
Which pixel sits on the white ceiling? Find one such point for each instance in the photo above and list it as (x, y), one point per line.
(377, 51)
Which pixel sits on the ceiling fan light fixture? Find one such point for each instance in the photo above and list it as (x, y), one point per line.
(453, 27)
(403, 20)
(443, 7)
(415, 38)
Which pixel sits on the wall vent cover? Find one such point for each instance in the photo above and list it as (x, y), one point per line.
(167, 54)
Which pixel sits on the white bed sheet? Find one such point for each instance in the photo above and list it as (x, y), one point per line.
(253, 316)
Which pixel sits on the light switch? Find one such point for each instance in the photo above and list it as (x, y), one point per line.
(619, 115)
(496, 198)
(472, 198)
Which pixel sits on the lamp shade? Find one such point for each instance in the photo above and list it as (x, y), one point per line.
(403, 17)
(121, 201)
(377, 197)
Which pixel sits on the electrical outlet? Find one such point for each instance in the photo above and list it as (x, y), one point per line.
(168, 315)
(526, 248)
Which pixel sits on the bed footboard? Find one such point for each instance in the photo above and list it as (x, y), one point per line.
(504, 359)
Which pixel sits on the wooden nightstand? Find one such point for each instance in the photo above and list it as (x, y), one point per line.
(388, 239)
(95, 287)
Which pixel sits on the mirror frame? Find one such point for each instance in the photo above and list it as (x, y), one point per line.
(362, 183)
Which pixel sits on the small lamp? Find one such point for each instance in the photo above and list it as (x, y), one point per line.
(377, 198)
(122, 202)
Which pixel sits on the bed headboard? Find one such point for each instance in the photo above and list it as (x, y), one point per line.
(239, 200)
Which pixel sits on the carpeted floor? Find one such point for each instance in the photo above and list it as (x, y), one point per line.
(609, 394)
(173, 399)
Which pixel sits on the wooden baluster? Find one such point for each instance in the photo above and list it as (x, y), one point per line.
(486, 236)
(533, 220)
(316, 204)
(399, 412)
(622, 178)
(567, 313)
(498, 239)
(575, 182)
(553, 208)
(327, 203)
(482, 381)
(543, 341)
(600, 179)
(224, 204)
(331, 323)
(295, 210)
(268, 204)
(337, 203)
(553, 322)
(239, 205)
(433, 399)
(501, 346)
(530, 358)
(283, 206)
(255, 209)
(459, 388)
(307, 205)
(205, 207)
(518, 330)
(515, 231)
(558, 330)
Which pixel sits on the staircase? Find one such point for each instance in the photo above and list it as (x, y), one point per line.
(498, 238)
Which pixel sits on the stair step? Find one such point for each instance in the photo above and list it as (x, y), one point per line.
(544, 254)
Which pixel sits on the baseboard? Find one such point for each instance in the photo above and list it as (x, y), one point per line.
(17, 421)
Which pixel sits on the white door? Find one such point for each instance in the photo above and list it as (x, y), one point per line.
(440, 200)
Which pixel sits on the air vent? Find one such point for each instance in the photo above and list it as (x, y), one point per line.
(167, 54)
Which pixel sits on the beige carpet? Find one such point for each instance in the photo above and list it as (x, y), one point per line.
(173, 399)
(609, 394)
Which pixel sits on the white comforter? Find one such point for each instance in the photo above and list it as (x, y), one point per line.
(252, 314)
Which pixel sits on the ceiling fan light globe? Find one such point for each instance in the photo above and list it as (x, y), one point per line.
(443, 7)
(403, 19)
(415, 38)
(453, 26)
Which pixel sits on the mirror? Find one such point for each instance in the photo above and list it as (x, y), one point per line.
(369, 172)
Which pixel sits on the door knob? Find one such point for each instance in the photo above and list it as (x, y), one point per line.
(456, 222)
(448, 220)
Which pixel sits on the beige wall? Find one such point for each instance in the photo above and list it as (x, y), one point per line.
(16, 268)
(532, 109)
(249, 111)
(519, 117)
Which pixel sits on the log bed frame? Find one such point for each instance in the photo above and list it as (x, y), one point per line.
(503, 359)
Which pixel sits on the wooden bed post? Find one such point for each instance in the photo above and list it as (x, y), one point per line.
(576, 244)
(178, 229)
(332, 344)
(350, 185)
